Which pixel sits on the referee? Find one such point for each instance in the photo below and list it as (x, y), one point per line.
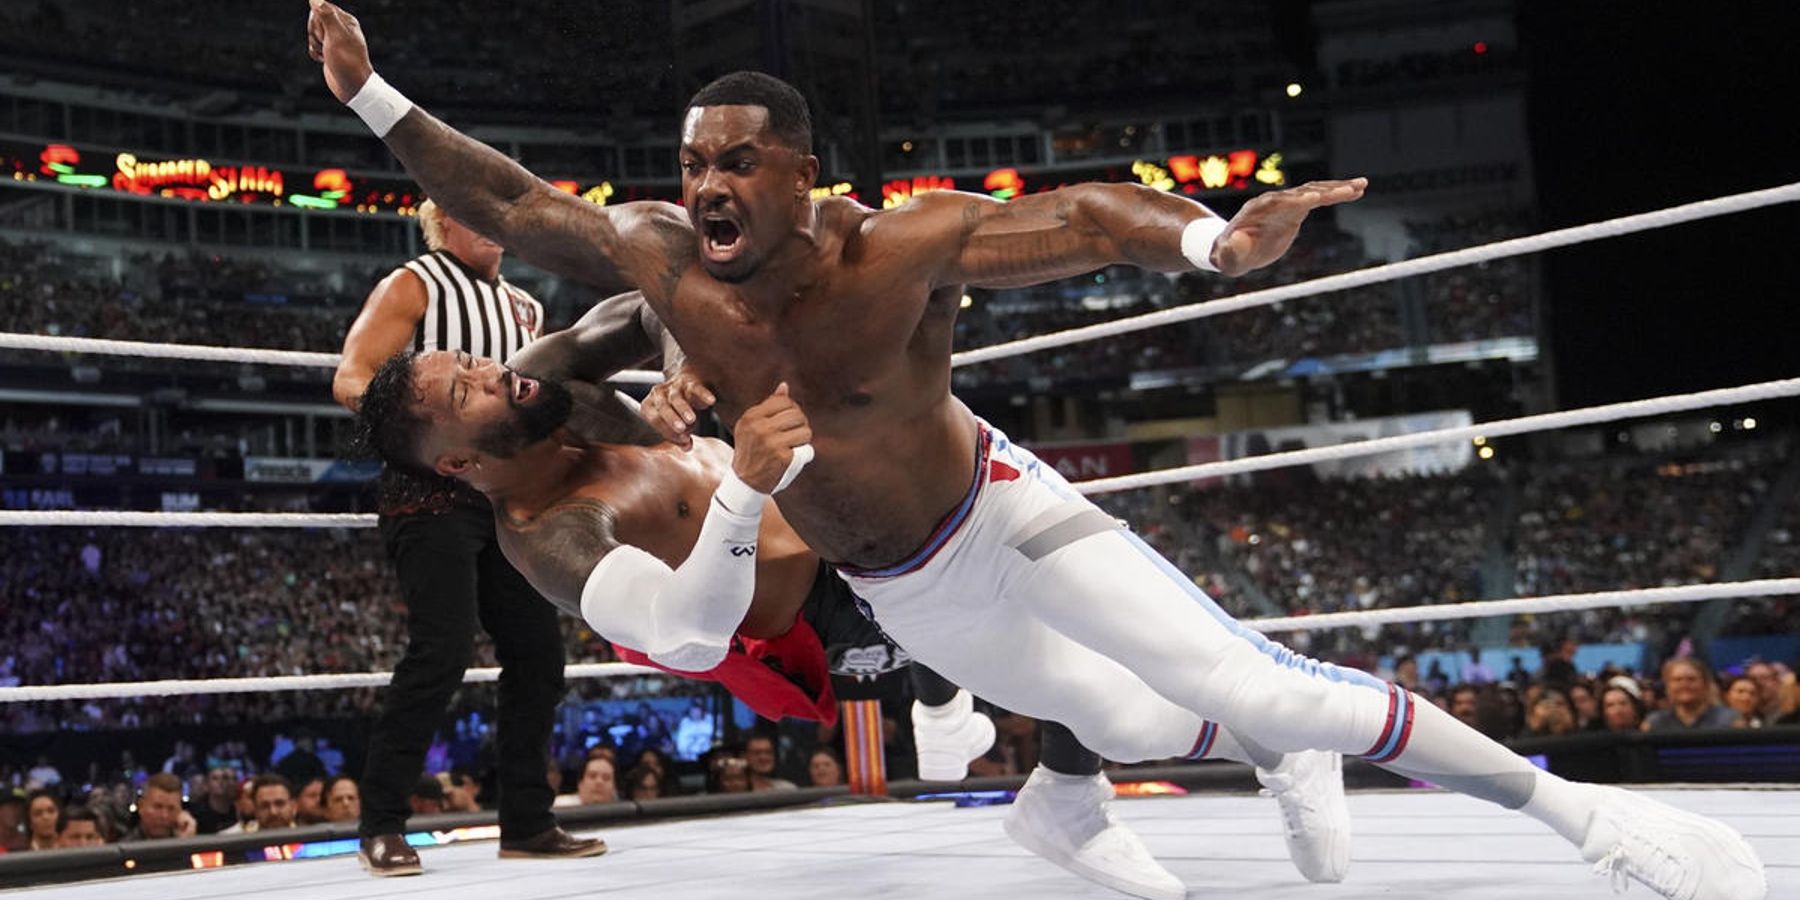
(451, 571)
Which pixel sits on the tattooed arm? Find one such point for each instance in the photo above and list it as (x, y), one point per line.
(620, 332)
(1080, 228)
(644, 245)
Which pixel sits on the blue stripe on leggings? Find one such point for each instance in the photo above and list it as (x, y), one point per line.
(1283, 655)
(1396, 727)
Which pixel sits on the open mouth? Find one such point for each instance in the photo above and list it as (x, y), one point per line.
(523, 389)
(722, 239)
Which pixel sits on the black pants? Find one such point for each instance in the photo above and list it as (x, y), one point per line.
(452, 574)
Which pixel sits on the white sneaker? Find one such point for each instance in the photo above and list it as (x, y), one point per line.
(1676, 853)
(1309, 785)
(948, 737)
(1067, 819)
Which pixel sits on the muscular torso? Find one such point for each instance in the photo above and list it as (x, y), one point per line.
(865, 352)
(659, 496)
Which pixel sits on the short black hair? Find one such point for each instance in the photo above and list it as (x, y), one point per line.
(76, 813)
(389, 423)
(271, 779)
(789, 117)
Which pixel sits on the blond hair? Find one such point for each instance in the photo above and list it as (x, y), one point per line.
(431, 222)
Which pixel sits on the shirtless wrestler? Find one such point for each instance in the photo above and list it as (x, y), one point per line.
(960, 541)
(575, 478)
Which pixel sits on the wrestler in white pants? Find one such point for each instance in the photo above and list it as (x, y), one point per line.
(1035, 599)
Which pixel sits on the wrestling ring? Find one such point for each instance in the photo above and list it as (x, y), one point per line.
(1412, 842)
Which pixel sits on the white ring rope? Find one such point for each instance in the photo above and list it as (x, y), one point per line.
(1610, 412)
(194, 686)
(153, 350)
(1662, 218)
(1685, 593)
(1691, 593)
(1499, 428)
(1436, 262)
(103, 518)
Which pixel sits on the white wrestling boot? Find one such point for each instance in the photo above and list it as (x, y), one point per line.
(1067, 820)
(948, 737)
(1678, 854)
(1309, 785)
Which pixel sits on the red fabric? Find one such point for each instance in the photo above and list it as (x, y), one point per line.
(758, 672)
(999, 471)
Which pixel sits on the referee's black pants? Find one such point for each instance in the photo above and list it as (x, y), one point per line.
(452, 574)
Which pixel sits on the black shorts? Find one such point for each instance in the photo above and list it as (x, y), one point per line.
(854, 644)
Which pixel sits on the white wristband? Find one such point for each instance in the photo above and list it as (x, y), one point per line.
(737, 497)
(1197, 241)
(379, 105)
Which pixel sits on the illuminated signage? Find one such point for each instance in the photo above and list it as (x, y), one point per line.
(1004, 184)
(840, 189)
(896, 193)
(194, 179)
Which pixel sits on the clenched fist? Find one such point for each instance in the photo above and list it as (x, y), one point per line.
(335, 38)
(770, 436)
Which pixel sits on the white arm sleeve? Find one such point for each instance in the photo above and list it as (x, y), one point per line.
(682, 618)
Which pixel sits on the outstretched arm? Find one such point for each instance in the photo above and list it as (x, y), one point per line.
(646, 245)
(1068, 231)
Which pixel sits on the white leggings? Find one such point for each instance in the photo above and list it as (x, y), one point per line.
(1043, 604)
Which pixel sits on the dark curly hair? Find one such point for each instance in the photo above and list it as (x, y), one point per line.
(391, 427)
(389, 423)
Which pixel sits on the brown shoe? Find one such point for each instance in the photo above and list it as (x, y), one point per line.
(553, 844)
(388, 854)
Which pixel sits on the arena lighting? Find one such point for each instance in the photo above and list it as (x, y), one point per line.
(1294, 89)
(967, 301)
(1481, 442)
(1480, 47)
(1715, 428)
(1749, 424)
(1485, 453)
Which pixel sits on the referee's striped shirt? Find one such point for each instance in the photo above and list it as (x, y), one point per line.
(465, 312)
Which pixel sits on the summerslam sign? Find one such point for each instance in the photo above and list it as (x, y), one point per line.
(202, 180)
(1192, 173)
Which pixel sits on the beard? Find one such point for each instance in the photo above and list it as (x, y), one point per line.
(530, 424)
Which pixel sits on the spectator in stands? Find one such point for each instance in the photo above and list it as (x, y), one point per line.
(427, 796)
(462, 791)
(215, 809)
(1689, 684)
(1585, 705)
(78, 826)
(246, 802)
(309, 804)
(41, 812)
(1790, 705)
(13, 836)
(159, 811)
(1768, 688)
(655, 760)
(1551, 714)
(1463, 704)
(1620, 707)
(343, 802)
(274, 798)
(1743, 699)
(728, 774)
(823, 768)
(643, 783)
(598, 783)
(759, 753)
